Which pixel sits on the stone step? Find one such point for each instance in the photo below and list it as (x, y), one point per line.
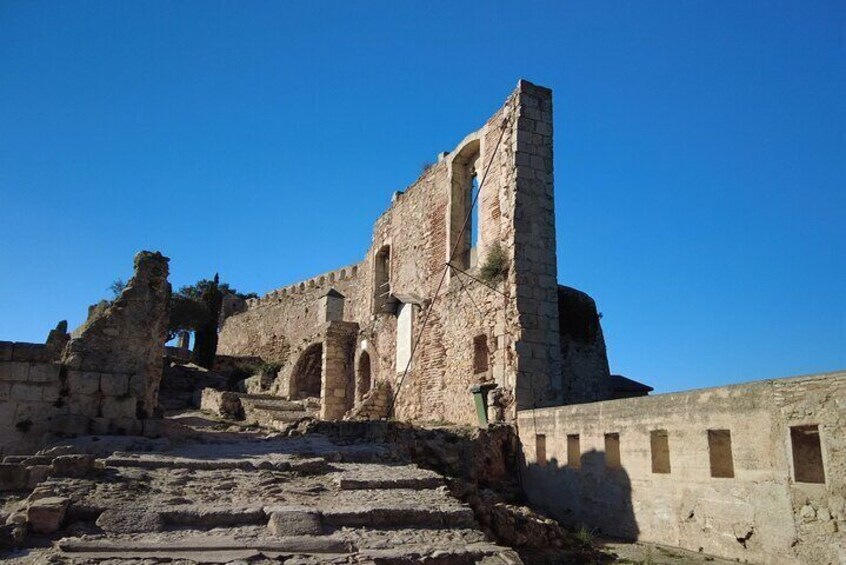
(134, 521)
(324, 549)
(139, 549)
(285, 520)
(306, 466)
(471, 554)
(261, 412)
(367, 483)
(274, 403)
(399, 517)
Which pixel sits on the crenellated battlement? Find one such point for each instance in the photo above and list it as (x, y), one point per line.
(322, 282)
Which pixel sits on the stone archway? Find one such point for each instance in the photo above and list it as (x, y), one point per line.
(363, 376)
(308, 373)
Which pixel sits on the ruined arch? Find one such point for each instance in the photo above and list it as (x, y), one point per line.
(308, 373)
(463, 174)
(381, 278)
(363, 376)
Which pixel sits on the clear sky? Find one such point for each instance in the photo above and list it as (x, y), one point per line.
(700, 156)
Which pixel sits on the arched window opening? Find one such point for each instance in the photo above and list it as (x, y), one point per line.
(363, 375)
(308, 373)
(381, 279)
(462, 213)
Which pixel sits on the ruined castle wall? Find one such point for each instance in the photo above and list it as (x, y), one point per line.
(280, 325)
(474, 334)
(40, 401)
(752, 502)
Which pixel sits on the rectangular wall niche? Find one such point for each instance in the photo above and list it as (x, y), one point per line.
(404, 336)
(574, 451)
(612, 451)
(540, 449)
(660, 447)
(807, 454)
(719, 451)
(480, 354)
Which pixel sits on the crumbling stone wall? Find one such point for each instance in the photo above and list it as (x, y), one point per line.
(412, 242)
(129, 336)
(748, 502)
(584, 361)
(104, 381)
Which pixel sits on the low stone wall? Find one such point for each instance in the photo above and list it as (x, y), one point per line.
(42, 401)
(755, 472)
(22, 351)
(374, 405)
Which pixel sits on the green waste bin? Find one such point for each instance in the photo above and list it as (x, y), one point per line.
(480, 398)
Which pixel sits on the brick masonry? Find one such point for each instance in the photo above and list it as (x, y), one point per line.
(412, 241)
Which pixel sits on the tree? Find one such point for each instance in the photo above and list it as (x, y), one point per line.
(205, 336)
(196, 308)
(117, 287)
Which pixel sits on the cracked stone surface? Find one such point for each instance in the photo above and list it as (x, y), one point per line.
(227, 497)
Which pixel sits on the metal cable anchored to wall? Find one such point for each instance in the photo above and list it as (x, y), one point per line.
(446, 269)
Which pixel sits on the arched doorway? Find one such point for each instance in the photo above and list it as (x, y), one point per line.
(363, 376)
(308, 373)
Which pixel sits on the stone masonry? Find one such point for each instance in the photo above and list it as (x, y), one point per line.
(105, 380)
(508, 335)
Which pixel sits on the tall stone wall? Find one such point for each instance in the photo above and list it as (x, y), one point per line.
(514, 327)
(717, 470)
(129, 336)
(104, 381)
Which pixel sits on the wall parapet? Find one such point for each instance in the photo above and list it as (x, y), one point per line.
(318, 282)
(742, 471)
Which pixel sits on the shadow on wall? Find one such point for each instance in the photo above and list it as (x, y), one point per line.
(593, 491)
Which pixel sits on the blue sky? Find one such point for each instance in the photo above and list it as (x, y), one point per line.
(700, 156)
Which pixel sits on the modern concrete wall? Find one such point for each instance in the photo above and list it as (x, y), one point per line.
(765, 513)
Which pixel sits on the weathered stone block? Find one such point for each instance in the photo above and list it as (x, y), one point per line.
(74, 466)
(44, 373)
(293, 521)
(153, 427)
(80, 382)
(70, 424)
(125, 426)
(12, 476)
(37, 474)
(116, 407)
(18, 371)
(123, 521)
(84, 404)
(50, 393)
(45, 515)
(24, 392)
(6, 348)
(114, 384)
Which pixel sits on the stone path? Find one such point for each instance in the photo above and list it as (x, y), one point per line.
(230, 497)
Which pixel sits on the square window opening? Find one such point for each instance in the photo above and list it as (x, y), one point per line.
(719, 452)
(807, 454)
(659, 444)
(612, 451)
(540, 449)
(480, 354)
(574, 451)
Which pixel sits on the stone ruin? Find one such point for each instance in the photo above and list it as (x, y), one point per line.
(104, 379)
(452, 317)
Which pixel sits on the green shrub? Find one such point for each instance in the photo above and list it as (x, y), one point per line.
(495, 265)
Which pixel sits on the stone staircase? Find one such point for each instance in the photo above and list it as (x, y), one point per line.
(276, 413)
(264, 410)
(294, 500)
